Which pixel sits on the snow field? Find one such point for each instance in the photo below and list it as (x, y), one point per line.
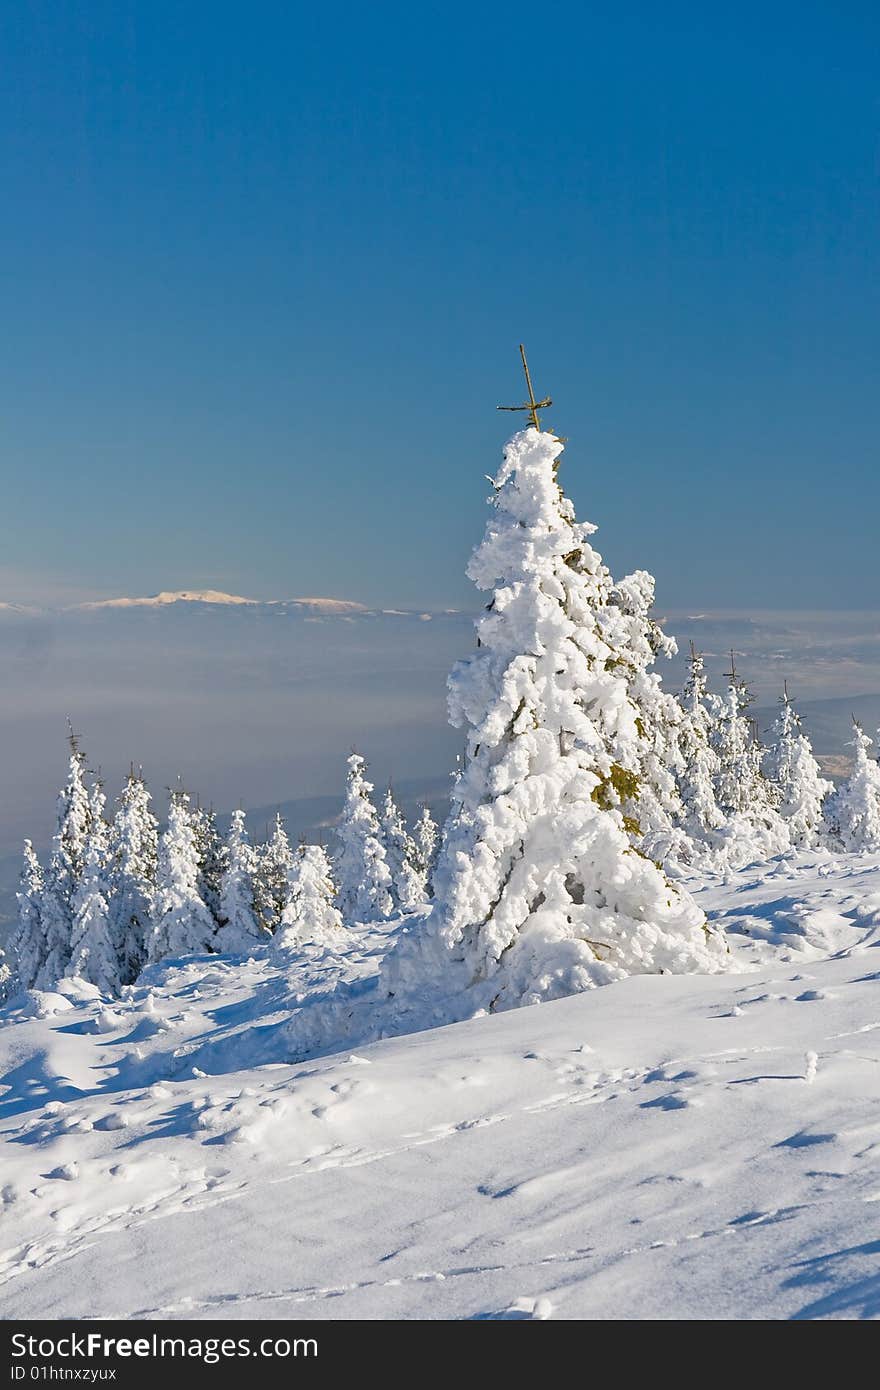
(690, 1146)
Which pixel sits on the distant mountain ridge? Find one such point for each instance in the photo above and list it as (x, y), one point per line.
(217, 597)
(169, 599)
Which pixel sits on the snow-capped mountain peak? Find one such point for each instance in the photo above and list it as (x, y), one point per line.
(218, 598)
(168, 596)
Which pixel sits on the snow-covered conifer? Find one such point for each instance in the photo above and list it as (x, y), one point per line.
(753, 828)
(181, 923)
(698, 767)
(65, 869)
(853, 811)
(241, 930)
(98, 827)
(792, 769)
(739, 784)
(653, 757)
(133, 851)
(93, 954)
(426, 837)
(274, 862)
(309, 916)
(29, 942)
(362, 873)
(407, 885)
(212, 858)
(538, 892)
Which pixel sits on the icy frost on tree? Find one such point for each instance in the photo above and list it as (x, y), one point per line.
(93, 951)
(792, 769)
(182, 923)
(362, 873)
(274, 862)
(309, 916)
(241, 931)
(400, 854)
(64, 872)
(29, 942)
(853, 812)
(133, 851)
(538, 893)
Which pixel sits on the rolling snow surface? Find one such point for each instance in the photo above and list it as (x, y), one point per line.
(667, 1147)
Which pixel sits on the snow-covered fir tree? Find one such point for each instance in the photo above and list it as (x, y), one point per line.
(853, 811)
(794, 772)
(309, 916)
(698, 766)
(241, 930)
(274, 862)
(361, 870)
(426, 838)
(133, 851)
(64, 873)
(753, 829)
(93, 953)
(181, 924)
(538, 892)
(407, 885)
(29, 942)
(637, 639)
(739, 785)
(212, 858)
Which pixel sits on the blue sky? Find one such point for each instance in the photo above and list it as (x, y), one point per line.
(265, 269)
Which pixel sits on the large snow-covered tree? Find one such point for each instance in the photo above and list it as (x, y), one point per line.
(133, 852)
(407, 887)
(538, 891)
(274, 862)
(93, 953)
(309, 916)
(241, 930)
(793, 771)
(65, 869)
(181, 924)
(853, 811)
(361, 869)
(29, 942)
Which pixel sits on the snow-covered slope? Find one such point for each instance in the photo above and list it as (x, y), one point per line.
(665, 1147)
